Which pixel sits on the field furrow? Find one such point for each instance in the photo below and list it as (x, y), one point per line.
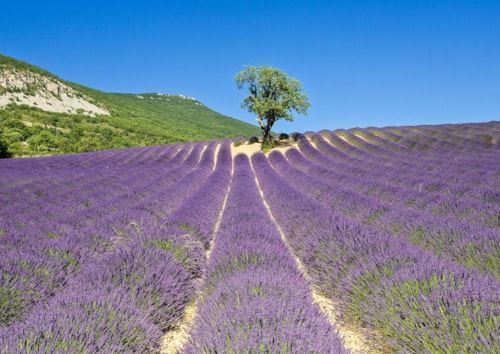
(355, 338)
(384, 282)
(463, 242)
(143, 271)
(201, 214)
(361, 240)
(254, 297)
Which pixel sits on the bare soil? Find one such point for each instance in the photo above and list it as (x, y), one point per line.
(250, 149)
(357, 340)
(174, 340)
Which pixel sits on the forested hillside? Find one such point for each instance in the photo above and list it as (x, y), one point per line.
(41, 114)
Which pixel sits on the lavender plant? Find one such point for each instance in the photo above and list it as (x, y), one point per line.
(352, 262)
(101, 252)
(254, 298)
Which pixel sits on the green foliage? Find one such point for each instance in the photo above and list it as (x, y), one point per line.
(253, 140)
(11, 305)
(273, 95)
(269, 145)
(283, 136)
(296, 136)
(4, 148)
(134, 120)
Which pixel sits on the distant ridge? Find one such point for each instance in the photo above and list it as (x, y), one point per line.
(42, 114)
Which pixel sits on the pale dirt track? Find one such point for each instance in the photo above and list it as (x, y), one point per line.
(173, 341)
(355, 339)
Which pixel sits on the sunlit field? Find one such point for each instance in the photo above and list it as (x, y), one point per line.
(396, 228)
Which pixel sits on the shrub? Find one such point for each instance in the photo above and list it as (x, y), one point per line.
(296, 136)
(283, 136)
(239, 141)
(268, 146)
(4, 149)
(253, 140)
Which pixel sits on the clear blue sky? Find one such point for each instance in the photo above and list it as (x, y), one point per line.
(362, 63)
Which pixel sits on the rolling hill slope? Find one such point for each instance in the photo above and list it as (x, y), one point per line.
(41, 114)
(389, 237)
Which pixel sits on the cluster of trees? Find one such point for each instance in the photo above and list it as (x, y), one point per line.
(28, 132)
(4, 147)
(150, 119)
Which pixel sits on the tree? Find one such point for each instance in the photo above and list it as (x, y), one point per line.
(273, 95)
(4, 147)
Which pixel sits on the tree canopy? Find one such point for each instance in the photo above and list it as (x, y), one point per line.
(272, 95)
(4, 148)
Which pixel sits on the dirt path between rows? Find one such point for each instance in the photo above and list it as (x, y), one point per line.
(250, 149)
(355, 339)
(174, 340)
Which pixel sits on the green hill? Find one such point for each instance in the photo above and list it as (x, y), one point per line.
(41, 114)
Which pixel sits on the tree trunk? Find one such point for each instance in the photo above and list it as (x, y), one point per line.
(266, 135)
(266, 130)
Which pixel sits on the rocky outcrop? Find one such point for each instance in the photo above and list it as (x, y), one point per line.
(46, 93)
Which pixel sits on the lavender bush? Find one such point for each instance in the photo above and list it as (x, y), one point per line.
(102, 251)
(254, 298)
(383, 282)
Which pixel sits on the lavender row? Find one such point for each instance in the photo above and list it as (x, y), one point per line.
(60, 213)
(472, 198)
(22, 176)
(62, 244)
(440, 136)
(418, 192)
(408, 170)
(487, 132)
(416, 301)
(93, 197)
(127, 298)
(197, 214)
(467, 159)
(463, 242)
(122, 302)
(89, 190)
(456, 139)
(254, 298)
(434, 155)
(386, 148)
(91, 160)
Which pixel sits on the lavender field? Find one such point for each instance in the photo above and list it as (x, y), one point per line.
(366, 240)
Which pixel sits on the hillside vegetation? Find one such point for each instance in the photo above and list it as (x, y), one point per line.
(41, 114)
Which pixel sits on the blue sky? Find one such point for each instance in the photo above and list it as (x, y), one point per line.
(361, 63)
